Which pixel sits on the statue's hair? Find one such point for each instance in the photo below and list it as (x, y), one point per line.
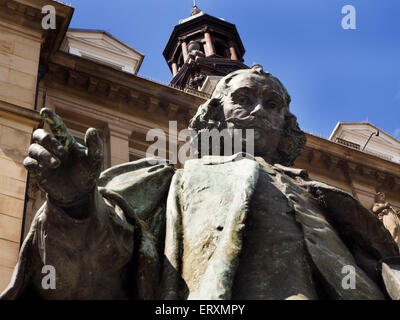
(210, 115)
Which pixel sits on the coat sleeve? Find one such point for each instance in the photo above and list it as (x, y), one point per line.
(140, 189)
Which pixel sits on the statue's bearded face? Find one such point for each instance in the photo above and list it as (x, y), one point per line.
(256, 102)
(252, 99)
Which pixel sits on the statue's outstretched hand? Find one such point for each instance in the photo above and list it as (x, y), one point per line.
(65, 169)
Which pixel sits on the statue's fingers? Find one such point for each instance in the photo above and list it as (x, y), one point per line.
(58, 128)
(94, 146)
(43, 156)
(33, 166)
(47, 141)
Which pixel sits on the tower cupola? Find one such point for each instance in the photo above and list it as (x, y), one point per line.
(201, 49)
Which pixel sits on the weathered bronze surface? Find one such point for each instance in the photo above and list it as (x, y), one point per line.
(232, 227)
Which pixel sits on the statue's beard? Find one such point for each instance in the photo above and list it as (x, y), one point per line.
(266, 135)
(265, 139)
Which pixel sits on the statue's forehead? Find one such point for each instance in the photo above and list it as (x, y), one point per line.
(257, 82)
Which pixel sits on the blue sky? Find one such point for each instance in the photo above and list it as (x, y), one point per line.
(332, 74)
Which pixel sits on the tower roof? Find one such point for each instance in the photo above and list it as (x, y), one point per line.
(198, 21)
(201, 46)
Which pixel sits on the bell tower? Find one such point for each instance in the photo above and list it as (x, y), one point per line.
(201, 50)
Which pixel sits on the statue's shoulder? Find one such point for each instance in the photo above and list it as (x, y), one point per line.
(350, 217)
(303, 179)
(118, 174)
(140, 185)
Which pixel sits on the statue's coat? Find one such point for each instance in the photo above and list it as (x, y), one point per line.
(208, 207)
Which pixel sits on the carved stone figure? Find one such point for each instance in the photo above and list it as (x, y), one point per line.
(388, 215)
(232, 227)
(197, 81)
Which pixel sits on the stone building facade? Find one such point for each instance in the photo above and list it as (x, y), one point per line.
(90, 79)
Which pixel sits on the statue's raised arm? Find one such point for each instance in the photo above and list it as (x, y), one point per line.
(96, 236)
(65, 169)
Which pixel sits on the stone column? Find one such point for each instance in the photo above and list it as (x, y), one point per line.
(210, 46)
(119, 143)
(232, 51)
(184, 51)
(174, 69)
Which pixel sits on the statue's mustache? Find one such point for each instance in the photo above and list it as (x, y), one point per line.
(251, 122)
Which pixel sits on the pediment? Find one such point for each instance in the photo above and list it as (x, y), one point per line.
(101, 47)
(103, 40)
(103, 43)
(362, 131)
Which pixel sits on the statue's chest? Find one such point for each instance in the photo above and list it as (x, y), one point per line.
(271, 231)
(274, 262)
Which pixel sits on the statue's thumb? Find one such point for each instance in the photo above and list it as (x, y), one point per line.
(94, 146)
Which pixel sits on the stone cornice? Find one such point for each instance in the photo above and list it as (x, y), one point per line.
(118, 87)
(29, 116)
(331, 154)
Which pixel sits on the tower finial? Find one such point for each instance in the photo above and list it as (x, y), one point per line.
(195, 9)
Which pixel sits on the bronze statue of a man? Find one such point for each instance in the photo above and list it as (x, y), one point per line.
(254, 229)
(231, 227)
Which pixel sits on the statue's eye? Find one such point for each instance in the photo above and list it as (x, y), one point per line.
(272, 105)
(244, 100)
(241, 99)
